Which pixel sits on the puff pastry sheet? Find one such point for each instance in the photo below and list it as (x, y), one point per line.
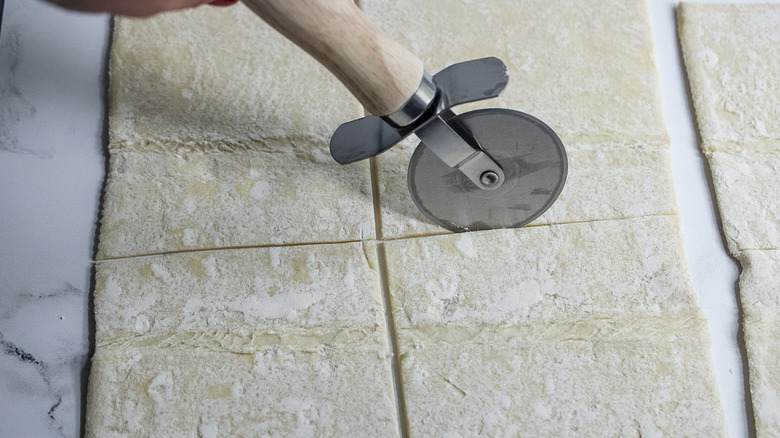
(246, 285)
(192, 200)
(588, 72)
(592, 276)
(566, 329)
(285, 340)
(732, 56)
(215, 142)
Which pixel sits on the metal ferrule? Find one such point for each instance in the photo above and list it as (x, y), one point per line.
(416, 105)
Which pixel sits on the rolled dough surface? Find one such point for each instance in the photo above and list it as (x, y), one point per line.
(206, 76)
(288, 340)
(748, 191)
(274, 391)
(200, 282)
(539, 331)
(759, 286)
(588, 72)
(287, 193)
(553, 330)
(732, 57)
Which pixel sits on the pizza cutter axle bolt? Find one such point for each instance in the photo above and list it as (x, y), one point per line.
(489, 178)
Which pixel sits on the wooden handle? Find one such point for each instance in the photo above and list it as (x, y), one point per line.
(379, 72)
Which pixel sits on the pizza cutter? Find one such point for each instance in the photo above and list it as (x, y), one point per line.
(483, 169)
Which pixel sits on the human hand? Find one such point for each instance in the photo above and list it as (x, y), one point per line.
(135, 8)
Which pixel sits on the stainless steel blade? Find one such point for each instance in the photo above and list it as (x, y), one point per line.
(530, 154)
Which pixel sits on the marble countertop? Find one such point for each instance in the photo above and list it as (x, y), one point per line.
(52, 162)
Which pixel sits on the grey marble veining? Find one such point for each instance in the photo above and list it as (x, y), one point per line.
(42, 358)
(14, 106)
(51, 170)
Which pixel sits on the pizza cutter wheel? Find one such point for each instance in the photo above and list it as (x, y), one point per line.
(484, 169)
(531, 156)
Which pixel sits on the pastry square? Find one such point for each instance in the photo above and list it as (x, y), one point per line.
(217, 75)
(287, 193)
(286, 293)
(759, 294)
(588, 72)
(274, 391)
(747, 186)
(762, 343)
(219, 139)
(732, 56)
(242, 342)
(651, 384)
(551, 274)
(561, 329)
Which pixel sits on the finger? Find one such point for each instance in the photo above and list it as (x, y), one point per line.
(132, 8)
(223, 2)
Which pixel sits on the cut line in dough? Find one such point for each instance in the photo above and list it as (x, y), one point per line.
(304, 348)
(242, 342)
(732, 57)
(605, 181)
(189, 200)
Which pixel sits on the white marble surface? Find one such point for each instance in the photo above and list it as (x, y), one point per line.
(51, 170)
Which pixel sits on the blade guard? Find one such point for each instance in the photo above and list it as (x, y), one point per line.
(460, 83)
